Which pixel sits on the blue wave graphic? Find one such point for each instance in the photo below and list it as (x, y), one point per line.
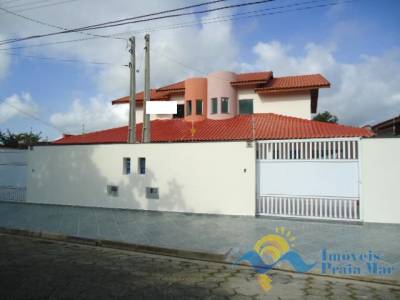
(293, 257)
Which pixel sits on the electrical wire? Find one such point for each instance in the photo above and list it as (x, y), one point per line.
(33, 116)
(54, 26)
(68, 60)
(26, 3)
(205, 22)
(92, 27)
(218, 19)
(43, 6)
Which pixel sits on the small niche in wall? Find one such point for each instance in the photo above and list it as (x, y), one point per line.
(152, 193)
(112, 190)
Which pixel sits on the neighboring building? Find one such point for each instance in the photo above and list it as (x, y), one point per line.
(230, 106)
(388, 128)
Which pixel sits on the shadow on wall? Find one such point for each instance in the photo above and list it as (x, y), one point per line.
(71, 176)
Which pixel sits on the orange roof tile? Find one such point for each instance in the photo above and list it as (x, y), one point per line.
(264, 83)
(294, 83)
(267, 126)
(173, 87)
(252, 78)
(154, 95)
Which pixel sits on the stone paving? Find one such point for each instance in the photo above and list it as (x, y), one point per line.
(208, 233)
(38, 269)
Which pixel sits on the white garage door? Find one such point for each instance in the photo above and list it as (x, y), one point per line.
(308, 178)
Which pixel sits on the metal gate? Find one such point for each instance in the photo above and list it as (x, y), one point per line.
(13, 174)
(316, 178)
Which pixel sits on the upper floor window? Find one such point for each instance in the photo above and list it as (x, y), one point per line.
(214, 105)
(224, 105)
(246, 107)
(180, 109)
(188, 107)
(199, 107)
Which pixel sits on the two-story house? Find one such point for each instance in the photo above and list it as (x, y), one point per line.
(230, 106)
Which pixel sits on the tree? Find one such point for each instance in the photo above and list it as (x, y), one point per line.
(326, 116)
(19, 140)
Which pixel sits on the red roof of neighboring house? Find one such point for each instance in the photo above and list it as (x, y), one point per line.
(267, 126)
(313, 81)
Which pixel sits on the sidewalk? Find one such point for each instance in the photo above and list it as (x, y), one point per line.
(205, 233)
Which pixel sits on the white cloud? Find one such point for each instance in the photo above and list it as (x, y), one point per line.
(362, 93)
(192, 46)
(97, 114)
(17, 105)
(171, 50)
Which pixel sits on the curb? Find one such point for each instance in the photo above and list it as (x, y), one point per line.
(197, 255)
(179, 253)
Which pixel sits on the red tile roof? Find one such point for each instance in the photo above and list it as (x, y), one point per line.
(313, 81)
(252, 78)
(263, 82)
(267, 126)
(155, 95)
(173, 87)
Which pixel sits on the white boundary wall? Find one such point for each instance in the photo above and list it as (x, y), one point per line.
(217, 178)
(380, 180)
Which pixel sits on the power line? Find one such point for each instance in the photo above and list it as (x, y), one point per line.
(129, 20)
(226, 18)
(48, 44)
(218, 19)
(33, 117)
(141, 16)
(64, 59)
(53, 26)
(8, 1)
(137, 17)
(44, 5)
(26, 3)
(135, 21)
(162, 52)
(159, 13)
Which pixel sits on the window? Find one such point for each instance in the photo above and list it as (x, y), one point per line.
(142, 165)
(152, 193)
(246, 107)
(180, 111)
(112, 190)
(126, 162)
(224, 105)
(188, 108)
(199, 107)
(214, 105)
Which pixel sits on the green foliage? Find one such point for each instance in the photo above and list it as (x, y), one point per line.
(326, 116)
(19, 140)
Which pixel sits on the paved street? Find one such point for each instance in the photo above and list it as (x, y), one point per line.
(39, 269)
(205, 233)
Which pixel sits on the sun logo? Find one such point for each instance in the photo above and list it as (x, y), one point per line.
(270, 250)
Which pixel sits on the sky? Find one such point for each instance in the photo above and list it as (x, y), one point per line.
(354, 44)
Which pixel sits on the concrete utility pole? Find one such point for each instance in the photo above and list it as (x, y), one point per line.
(146, 135)
(132, 91)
